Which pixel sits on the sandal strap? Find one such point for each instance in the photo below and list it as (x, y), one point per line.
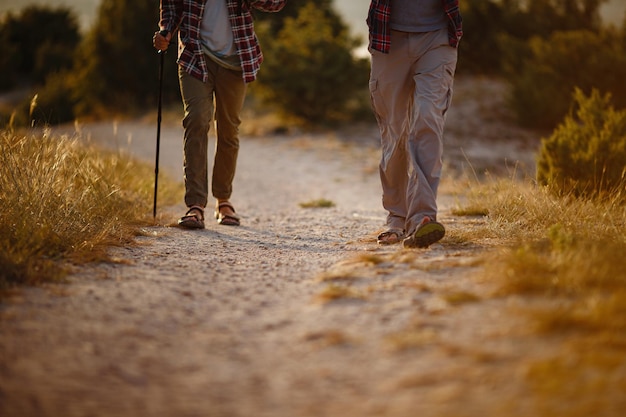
(197, 208)
(218, 212)
(397, 232)
(390, 236)
(226, 204)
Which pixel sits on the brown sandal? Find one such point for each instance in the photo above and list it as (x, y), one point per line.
(193, 219)
(390, 237)
(226, 219)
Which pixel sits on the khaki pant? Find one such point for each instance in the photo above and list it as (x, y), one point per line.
(411, 90)
(228, 89)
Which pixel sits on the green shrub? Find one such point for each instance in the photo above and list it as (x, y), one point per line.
(586, 154)
(55, 102)
(542, 83)
(310, 72)
(116, 66)
(37, 41)
(494, 29)
(50, 104)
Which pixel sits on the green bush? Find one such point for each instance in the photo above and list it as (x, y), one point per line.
(276, 21)
(55, 101)
(50, 104)
(542, 83)
(494, 29)
(586, 154)
(309, 71)
(116, 66)
(37, 41)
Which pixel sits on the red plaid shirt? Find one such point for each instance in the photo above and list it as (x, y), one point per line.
(378, 21)
(186, 17)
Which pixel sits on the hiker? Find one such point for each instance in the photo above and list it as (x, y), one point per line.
(413, 45)
(218, 55)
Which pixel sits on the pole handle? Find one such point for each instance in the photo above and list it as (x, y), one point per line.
(163, 33)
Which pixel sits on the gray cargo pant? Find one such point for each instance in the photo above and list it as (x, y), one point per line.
(229, 90)
(411, 90)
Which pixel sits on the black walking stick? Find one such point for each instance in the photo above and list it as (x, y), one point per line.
(158, 138)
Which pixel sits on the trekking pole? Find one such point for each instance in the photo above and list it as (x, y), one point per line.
(158, 137)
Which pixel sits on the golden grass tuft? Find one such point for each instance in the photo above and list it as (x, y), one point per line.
(579, 384)
(319, 203)
(336, 292)
(328, 338)
(338, 275)
(456, 298)
(353, 268)
(370, 259)
(65, 202)
(566, 254)
(412, 339)
(559, 247)
(477, 210)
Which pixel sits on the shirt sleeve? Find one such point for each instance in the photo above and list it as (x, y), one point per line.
(267, 5)
(170, 14)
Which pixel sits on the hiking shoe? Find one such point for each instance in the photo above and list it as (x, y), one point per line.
(427, 233)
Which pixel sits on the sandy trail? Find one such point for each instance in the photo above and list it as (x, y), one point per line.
(241, 322)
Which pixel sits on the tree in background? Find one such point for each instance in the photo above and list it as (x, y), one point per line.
(274, 22)
(544, 49)
(116, 66)
(542, 84)
(37, 41)
(496, 32)
(310, 71)
(113, 70)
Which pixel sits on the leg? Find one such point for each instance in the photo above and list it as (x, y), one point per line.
(229, 96)
(230, 91)
(198, 105)
(391, 89)
(433, 79)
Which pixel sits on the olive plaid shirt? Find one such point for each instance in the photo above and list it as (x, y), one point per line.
(380, 27)
(186, 17)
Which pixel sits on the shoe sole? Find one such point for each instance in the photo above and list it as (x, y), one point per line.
(425, 236)
(191, 225)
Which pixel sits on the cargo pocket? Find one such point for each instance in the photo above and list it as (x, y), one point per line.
(378, 105)
(448, 74)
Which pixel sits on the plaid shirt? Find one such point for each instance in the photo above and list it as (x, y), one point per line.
(378, 21)
(186, 17)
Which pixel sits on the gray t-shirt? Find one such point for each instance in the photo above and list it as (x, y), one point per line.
(216, 35)
(215, 31)
(418, 15)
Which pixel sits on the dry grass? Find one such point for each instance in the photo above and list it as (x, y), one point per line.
(65, 202)
(328, 338)
(352, 269)
(580, 384)
(414, 337)
(338, 275)
(565, 255)
(337, 292)
(319, 203)
(477, 210)
(456, 298)
(558, 246)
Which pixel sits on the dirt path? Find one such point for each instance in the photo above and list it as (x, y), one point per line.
(244, 321)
